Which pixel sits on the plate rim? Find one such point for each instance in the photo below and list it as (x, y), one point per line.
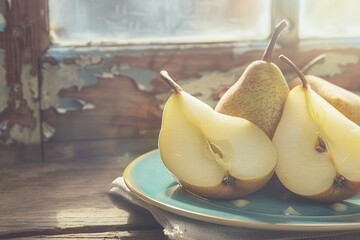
(260, 225)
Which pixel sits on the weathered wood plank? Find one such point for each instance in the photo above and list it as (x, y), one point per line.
(101, 148)
(17, 154)
(120, 110)
(128, 235)
(68, 197)
(125, 90)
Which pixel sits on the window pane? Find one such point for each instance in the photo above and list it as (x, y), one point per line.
(159, 21)
(329, 18)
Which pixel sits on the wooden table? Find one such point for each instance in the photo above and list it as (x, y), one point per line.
(67, 200)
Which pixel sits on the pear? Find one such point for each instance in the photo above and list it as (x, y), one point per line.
(318, 147)
(211, 154)
(260, 93)
(347, 102)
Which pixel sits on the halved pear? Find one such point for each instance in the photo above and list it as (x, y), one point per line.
(318, 147)
(211, 154)
(347, 102)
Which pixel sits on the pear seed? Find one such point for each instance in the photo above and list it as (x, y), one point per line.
(228, 180)
(339, 181)
(321, 145)
(215, 150)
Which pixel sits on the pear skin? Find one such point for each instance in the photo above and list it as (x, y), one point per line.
(229, 190)
(258, 96)
(317, 146)
(347, 102)
(260, 93)
(336, 194)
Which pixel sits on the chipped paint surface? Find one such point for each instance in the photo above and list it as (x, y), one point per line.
(142, 76)
(21, 134)
(47, 131)
(63, 76)
(56, 78)
(87, 60)
(333, 64)
(29, 91)
(30, 94)
(4, 89)
(78, 68)
(207, 84)
(67, 104)
(86, 66)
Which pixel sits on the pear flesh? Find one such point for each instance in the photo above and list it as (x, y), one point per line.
(212, 154)
(347, 102)
(318, 148)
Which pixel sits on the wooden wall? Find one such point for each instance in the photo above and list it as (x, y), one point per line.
(66, 103)
(126, 94)
(23, 39)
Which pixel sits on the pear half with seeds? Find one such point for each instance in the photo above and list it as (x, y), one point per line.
(211, 154)
(318, 147)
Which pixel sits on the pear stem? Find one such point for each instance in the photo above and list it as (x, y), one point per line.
(165, 75)
(270, 47)
(313, 62)
(295, 68)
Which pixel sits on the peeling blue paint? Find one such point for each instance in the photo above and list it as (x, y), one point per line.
(72, 104)
(62, 76)
(87, 65)
(89, 75)
(141, 76)
(47, 130)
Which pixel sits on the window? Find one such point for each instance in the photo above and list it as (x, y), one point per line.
(159, 21)
(329, 19)
(191, 21)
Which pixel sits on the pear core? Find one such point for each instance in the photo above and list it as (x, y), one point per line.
(318, 148)
(212, 154)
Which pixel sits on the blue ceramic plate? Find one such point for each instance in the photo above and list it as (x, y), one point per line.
(270, 208)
